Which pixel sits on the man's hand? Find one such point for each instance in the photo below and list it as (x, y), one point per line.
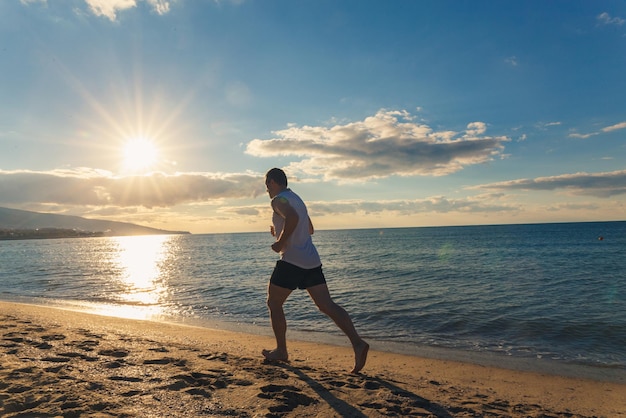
(277, 246)
(272, 230)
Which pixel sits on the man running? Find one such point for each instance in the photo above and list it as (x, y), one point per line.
(300, 267)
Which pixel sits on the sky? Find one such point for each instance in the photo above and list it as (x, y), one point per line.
(403, 113)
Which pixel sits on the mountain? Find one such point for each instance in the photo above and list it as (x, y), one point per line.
(25, 220)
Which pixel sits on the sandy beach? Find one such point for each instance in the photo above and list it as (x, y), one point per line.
(61, 363)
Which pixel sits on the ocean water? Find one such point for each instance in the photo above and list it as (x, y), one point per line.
(553, 293)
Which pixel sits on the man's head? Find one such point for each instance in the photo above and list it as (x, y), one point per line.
(275, 181)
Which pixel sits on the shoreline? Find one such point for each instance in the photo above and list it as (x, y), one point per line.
(603, 373)
(62, 362)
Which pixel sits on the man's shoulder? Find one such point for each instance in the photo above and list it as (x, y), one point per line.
(288, 198)
(282, 198)
(278, 199)
(287, 194)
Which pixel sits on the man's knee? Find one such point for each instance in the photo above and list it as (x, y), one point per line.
(327, 307)
(272, 304)
(276, 296)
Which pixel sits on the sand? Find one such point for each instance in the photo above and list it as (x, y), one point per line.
(56, 362)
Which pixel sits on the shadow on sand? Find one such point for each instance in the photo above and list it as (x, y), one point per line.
(392, 399)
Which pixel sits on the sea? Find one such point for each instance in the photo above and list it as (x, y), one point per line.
(544, 297)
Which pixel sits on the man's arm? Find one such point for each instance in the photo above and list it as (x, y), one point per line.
(311, 229)
(282, 207)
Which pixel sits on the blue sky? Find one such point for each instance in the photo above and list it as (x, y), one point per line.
(383, 113)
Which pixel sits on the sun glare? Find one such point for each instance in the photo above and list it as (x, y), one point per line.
(140, 154)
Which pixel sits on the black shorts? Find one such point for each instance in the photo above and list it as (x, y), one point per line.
(291, 277)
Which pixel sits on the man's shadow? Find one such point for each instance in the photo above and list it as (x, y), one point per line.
(344, 409)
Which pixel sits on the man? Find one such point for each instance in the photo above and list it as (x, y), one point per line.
(299, 267)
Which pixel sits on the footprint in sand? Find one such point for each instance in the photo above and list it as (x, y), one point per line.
(113, 364)
(15, 337)
(117, 353)
(34, 329)
(126, 379)
(214, 356)
(87, 333)
(53, 337)
(43, 346)
(56, 359)
(167, 360)
(289, 397)
(86, 345)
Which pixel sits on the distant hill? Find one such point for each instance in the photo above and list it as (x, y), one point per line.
(25, 220)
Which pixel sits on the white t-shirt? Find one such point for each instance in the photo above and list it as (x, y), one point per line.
(299, 249)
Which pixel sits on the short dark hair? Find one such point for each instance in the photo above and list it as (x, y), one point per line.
(277, 175)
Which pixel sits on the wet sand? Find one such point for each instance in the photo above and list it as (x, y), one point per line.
(56, 362)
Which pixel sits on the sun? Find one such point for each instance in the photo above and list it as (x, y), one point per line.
(139, 154)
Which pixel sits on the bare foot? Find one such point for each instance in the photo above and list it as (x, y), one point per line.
(360, 356)
(275, 355)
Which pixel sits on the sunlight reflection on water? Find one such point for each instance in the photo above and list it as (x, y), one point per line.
(140, 260)
(142, 280)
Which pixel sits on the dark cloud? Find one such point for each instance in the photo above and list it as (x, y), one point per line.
(388, 143)
(101, 188)
(438, 204)
(589, 184)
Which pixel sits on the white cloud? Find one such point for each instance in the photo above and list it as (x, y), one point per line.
(617, 126)
(512, 61)
(388, 143)
(160, 6)
(588, 184)
(110, 8)
(476, 128)
(90, 187)
(606, 19)
(543, 125)
(582, 136)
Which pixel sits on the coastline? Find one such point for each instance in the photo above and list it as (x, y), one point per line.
(601, 372)
(62, 362)
(550, 366)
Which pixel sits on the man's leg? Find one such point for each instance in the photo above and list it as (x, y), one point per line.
(276, 297)
(321, 297)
